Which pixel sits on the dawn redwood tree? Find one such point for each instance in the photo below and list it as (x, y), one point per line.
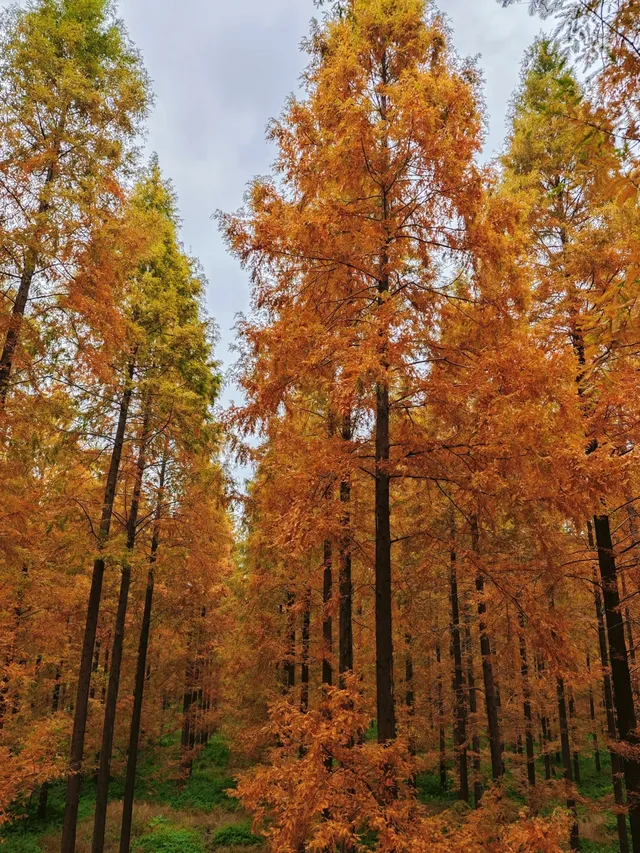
(176, 383)
(583, 249)
(372, 185)
(72, 95)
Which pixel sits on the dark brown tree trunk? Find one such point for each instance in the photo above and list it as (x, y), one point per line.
(188, 698)
(546, 739)
(526, 698)
(441, 732)
(409, 695)
(460, 727)
(473, 711)
(327, 621)
(138, 690)
(108, 728)
(576, 754)
(612, 731)
(594, 724)
(74, 780)
(385, 703)
(620, 673)
(574, 838)
(26, 279)
(383, 616)
(289, 663)
(304, 663)
(345, 626)
(491, 701)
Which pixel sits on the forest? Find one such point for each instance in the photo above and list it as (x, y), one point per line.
(415, 628)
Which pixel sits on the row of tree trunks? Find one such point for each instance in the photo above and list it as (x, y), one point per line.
(108, 728)
(140, 678)
(74, 780)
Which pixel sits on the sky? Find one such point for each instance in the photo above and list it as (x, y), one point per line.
(220, 69)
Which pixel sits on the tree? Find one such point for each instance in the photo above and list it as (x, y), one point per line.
(73, 92)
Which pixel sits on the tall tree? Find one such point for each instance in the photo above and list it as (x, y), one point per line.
(73, 94)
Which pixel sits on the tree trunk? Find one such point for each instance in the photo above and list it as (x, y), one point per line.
(574, 838)
(108, 728)
(526, 697)
(327, 621)
(620, 673)
(592, 715)
(460, 728)
(473, 711)
(74, 780)
(289, 663)
(345, 627)
(576, 754)
(304, 665)
(141, 666)
(26, 279)
(612, 732)
(441, 732)
(491, 701)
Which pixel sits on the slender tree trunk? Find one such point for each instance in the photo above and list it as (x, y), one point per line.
(473, 711)
(187, 718)
(460, 728)
(108, 728)
(32, 258)
(491, 701)
(304, 666)
(574, 838)
(17, 314)
(385, 703)
(576, 754)
(409, 694)
(138, 691)
(526, 697)
(289, 664)
(594, 724)
(345, 627)
(74, 780)
(612, 731)
(327, 621)
(441, 731)
(620, 673)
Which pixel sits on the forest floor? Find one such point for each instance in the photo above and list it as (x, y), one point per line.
(202, 817)
(197, 818)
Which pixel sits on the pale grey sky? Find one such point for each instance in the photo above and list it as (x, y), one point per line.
(220, 70)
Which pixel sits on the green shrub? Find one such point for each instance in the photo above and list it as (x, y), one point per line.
(169, 839)
(203, 792)
(238, 834)
(20, 844)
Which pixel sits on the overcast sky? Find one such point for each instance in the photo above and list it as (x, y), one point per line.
(222, 68)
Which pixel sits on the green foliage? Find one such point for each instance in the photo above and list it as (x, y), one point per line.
(238, 834)
(204, 792)
(170, 839)
(428, 790)
(21, 844)
(588, 846)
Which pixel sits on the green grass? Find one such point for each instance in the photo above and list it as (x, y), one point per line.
(238, 834)
(204, 792)
(170, 839)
